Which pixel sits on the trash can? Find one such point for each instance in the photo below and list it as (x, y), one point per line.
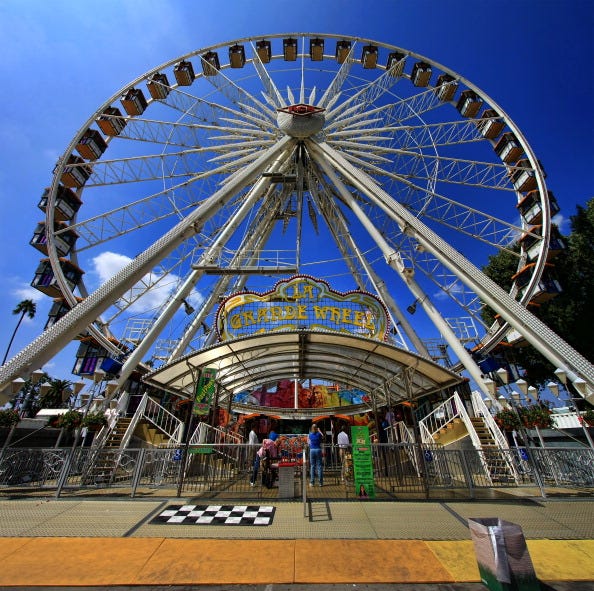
(286, 480)
(502, 555)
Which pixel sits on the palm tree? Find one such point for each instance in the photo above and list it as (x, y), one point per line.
(24, 308)
(54, 397)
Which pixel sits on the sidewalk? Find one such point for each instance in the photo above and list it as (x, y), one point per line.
(103, 542)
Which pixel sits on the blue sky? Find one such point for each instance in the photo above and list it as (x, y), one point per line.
(62, 59)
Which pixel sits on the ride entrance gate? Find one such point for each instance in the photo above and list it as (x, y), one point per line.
(222, 471)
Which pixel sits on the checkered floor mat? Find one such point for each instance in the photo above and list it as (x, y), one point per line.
(216, 515)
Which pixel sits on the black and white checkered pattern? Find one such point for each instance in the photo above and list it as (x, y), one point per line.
(216, 515)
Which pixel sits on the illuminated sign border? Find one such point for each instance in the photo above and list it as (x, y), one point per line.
(294, 303)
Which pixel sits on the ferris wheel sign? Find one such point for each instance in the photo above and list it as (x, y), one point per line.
(302, 302)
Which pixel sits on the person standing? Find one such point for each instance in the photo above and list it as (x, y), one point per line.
(269, 450)
(343, 446)
(253, 438)
(315, 438)
(253, 443)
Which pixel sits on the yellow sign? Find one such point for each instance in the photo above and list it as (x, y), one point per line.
(302, 302)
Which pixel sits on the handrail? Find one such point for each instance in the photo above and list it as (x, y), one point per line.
(480, 409)
(399, 433)
(442, 416)
(165, 421)
(200, 434)
(134, 422)
(205, 433)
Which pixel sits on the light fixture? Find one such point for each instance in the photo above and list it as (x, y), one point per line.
(45, 388)
(533, 393)
(553, 389)
(502, 374)
(36, 376)
(111, 387)
(581, 386)
(490, 385)
(561, 375)
(516, 397)
(503, 401)
(16, 385)
(523, 385)
(188, 309)
(99, 376)
(78, 386)
(412, 308)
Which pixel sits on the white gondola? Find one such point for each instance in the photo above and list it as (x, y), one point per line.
(264, 51)
(532, 242)
(469, 103)
(66, 205)
(421, 74)
(395, 64)
(91, 145)
(111, 121)
(63, 241)
(237, 56)
(134, 102)
(530, 207)
(490, 124)
(184, 73)
(316, 50)
(508, 148)
(523, 176)
(342, 50)
(446, 87)
(210, 63)
(45, 280)
(548, 287)
(369, 57)
(158, 86)
(76, 173)
(290, 49)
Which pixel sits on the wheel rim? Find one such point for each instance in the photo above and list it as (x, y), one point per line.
(421, 149)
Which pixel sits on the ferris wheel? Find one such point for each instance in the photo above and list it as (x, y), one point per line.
(344, 158)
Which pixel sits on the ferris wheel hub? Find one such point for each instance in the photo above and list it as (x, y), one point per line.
(300, 120)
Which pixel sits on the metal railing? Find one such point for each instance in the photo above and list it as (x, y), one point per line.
(222, 471)
(166, 422)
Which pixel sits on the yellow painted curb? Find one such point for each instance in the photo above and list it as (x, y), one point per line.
(562, 560)
(182, 561)
(77, 561)
(367, 561)
(230, 562)
(458, 559)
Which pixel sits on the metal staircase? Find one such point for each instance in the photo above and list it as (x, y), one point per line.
(158, 426)
(485, 435)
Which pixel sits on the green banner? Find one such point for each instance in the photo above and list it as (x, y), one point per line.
(362, 463)
(205, 389)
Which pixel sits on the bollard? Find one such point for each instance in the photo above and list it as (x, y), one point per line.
(502, 555)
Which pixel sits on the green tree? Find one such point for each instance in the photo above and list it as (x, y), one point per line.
(570, 314)
(24, 308)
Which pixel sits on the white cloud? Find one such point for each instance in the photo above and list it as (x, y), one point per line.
(107, 264)
(454, 287)
(26, 292)
(562, 223)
